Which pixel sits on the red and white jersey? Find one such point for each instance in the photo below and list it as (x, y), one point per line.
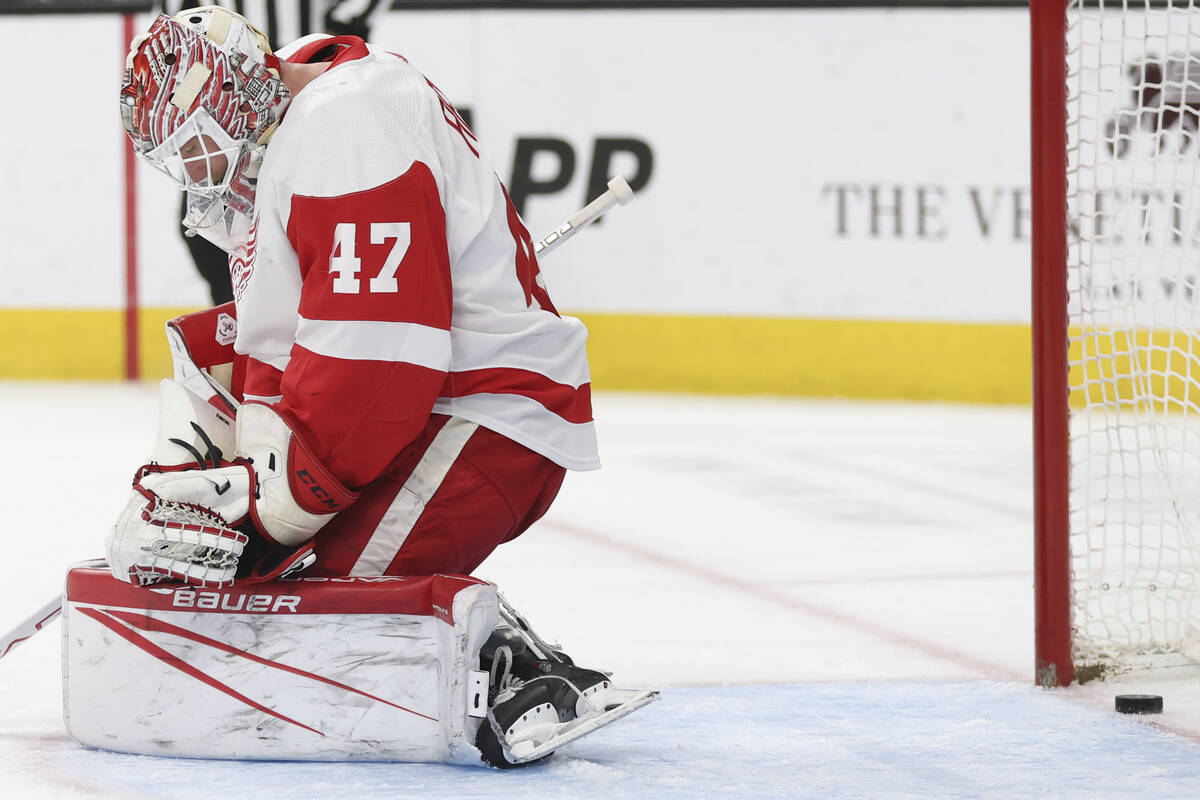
(388, 276)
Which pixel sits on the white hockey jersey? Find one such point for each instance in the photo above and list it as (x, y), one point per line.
(389, 276)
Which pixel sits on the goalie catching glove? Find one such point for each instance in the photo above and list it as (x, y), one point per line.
(252, 518)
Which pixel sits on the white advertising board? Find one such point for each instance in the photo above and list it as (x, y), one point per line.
(865, 164)
(60, 147)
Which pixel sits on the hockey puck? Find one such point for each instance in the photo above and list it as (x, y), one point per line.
(1139, 703)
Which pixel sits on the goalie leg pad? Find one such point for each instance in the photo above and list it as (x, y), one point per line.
(314, 669)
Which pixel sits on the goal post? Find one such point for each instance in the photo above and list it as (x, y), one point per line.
(1115, 125)
(1049, 347)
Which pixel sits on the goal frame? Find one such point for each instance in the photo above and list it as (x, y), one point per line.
(1051, 395)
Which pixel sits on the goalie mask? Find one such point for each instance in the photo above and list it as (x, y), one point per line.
(200, 99)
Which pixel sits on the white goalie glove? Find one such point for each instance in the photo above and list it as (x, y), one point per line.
(159, 539)
(213, 521)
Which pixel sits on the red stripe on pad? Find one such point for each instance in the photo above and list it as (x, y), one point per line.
(148, 623)
(174, 661)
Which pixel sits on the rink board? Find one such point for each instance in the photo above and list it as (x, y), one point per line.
(770, 249)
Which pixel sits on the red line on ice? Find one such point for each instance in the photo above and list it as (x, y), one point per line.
(764, 592)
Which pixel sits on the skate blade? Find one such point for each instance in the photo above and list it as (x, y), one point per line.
(548, 738)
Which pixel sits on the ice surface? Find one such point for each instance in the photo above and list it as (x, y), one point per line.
(836, 599)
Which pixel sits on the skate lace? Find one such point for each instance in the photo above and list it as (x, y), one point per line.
(507, 683)
(509, 615)
(501, 674)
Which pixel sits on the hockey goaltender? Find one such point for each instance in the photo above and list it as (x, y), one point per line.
(390, 397)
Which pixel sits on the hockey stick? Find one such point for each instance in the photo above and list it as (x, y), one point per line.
(618, 193)
(30, 626)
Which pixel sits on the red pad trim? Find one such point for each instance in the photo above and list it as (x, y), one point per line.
(429, 596)
(209, 334)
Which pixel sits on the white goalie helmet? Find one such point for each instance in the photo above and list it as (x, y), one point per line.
(200, 99)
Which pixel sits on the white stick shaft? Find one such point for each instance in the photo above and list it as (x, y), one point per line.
(31, 626)
(618, 192)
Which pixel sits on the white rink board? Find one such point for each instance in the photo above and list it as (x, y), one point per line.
(60, 161)
(771, 132)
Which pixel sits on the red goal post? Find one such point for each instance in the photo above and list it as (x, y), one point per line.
(1115, 122)
(1048, 85)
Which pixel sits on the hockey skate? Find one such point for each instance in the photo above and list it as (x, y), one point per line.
(540, 700)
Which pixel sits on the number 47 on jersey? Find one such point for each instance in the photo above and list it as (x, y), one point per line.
(344, 264)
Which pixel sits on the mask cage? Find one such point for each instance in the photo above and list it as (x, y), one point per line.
(199, 156)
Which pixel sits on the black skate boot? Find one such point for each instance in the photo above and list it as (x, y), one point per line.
(576, 692)
(538, 700)
(502, 637)
(514, 707)
(573, 688)
(513, 713)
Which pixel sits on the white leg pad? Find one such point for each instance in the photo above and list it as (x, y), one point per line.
(321, 669)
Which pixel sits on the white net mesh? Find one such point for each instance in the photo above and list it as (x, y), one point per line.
(1133, 115)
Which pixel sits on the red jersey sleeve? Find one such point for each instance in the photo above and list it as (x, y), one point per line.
(373, 339)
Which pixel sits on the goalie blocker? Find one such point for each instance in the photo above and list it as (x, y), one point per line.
(372, 669)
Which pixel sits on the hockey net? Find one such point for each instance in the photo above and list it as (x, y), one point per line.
(1132, 263)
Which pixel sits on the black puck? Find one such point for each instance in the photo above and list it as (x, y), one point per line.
(1139, 703)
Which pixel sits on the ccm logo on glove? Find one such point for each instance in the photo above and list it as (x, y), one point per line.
(317, 490)
(314, 489)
